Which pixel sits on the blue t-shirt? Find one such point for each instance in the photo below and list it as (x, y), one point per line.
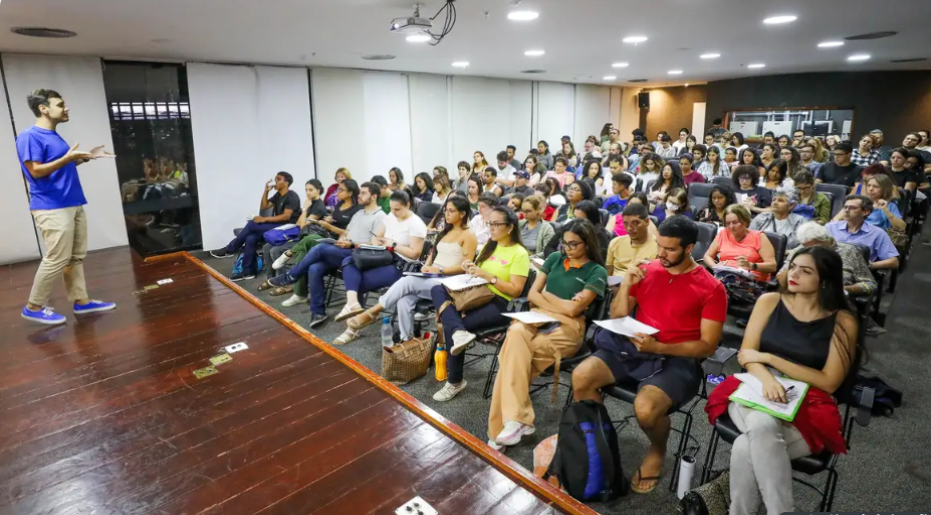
(878, 216)
(60, 189)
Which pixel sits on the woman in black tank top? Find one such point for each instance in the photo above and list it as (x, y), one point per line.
(806, 333)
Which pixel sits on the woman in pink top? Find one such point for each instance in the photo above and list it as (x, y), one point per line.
(562, 176)
(740, 247)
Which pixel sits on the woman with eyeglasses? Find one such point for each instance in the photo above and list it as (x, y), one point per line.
(535, 232)
(505, 264)
(330, 198)
(741, 247)
(575, 193)
(567, 284)
(749, 193)
(812, 205)
(805, 332)
(455, 245)
(793, 159)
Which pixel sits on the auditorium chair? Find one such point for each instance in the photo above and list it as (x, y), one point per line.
(724, 429)
(427, 210)
(699, 196)
(724, 181)
(838, 193)
(706, 235)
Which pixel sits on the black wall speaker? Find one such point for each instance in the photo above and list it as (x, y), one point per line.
(643, 99)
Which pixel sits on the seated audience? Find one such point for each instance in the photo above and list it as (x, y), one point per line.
(713, 212)
(670, 179)
(512, 151)
(741, 247)
(750, 194)
(461, 184)
(768, 155)
(423, 187)
(560, 173)
(522, 184)
(855, 229)
(326, 258)
(840, 170)
(474, 189)
(515, 201)
(455, 245)
(665, 149)
(438, 222)
(812, 205)
(620, 185)
(858, 279)
(751, 157)
(903, 176)
(635, 247)
(441, 189)
(566, 285)
(313, 210)
(777, 176)
(714, 165)
(505, 178)
(592, 170)
(885, 214)
(806, 333)
(864, 155)
(793, 161)
(535, 232)
(699, 153)
(479, 163)
(396, 179)
(479, 223)
(536, 170)
(544, 156)
(651, 166)
(689, 175)
(615, 224)
(286, 209)
(341, 175)
(384, 200)
(807, 154)
(505, 264)
(576, 192)
(587, 210)
(680, 298)
(780, 219)
(490, 176)
(676, 203)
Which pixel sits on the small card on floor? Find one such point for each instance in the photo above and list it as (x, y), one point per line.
(221, 359)
(151, 287)
(165, 281)
(236, 347)
(201, 373)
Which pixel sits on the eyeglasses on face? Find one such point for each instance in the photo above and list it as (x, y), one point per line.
(495, 225)
(571, 245)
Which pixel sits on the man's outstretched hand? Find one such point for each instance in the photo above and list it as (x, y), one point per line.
(98, 152)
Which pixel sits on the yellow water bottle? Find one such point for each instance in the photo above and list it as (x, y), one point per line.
(439, 360)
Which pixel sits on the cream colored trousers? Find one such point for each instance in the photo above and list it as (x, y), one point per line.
(65, 233)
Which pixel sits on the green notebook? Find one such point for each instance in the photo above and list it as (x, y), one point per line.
(750, 394)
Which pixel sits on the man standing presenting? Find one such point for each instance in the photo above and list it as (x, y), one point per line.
(56, 201)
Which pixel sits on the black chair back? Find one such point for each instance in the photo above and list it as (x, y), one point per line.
(649, 185)
(427, 210)
(605, 216)
(780, 242)
(904, 203)
(838, 191)
(706, 234)
(723, 181)
(699, 195)
(638, 184)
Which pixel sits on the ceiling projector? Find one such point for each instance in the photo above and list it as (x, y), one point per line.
(411, 25)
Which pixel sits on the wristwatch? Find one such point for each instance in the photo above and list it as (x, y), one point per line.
(440, 268)
(494, 279)
(753, 266)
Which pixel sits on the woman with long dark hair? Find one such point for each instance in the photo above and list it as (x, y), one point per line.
(777, 176)
(546, 157)
(455, 245)
(396, 179)
(714, 166)
(475, 186)
(721, 197)
(505, 264)
(670, 179)
(807, 333)
(575, 193)
(479, 163)
(567, 284)
(423, 187)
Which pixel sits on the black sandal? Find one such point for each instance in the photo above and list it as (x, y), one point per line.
(635, 486)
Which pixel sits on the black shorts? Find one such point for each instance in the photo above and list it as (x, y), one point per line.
(680, 378)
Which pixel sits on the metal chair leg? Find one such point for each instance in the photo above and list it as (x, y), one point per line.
(708, 466)
(492, 371)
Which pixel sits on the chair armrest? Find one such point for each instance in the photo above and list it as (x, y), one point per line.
(518, 304)
(714, 364)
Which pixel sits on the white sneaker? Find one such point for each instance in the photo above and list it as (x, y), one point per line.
(512, 433)
(281, 261)
(449, 391)
(461, 340)
(294, 300)
(494, 445)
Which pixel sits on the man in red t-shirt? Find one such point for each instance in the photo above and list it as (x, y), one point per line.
(688, 305)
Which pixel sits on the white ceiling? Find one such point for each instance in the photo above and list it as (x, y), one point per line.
(582, 38)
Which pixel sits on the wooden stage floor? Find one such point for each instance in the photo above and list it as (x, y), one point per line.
(104, 415)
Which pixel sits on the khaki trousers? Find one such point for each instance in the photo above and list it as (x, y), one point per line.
(65, 233)
(525, 354)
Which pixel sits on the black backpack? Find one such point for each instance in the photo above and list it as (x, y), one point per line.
(587, 461)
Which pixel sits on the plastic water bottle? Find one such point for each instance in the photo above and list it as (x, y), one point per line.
(387, 333)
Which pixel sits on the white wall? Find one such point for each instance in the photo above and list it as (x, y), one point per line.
(80, 82)
(431, 134)
(17, 232)
(521, 120)
(249, 123)
(555, 114)
(592, 108)
(362, 122)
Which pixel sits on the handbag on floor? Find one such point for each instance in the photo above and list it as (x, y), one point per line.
(711, 498)
(406, 361)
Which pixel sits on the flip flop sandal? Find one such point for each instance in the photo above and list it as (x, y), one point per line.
(347, 313)
(265, 286)
(346, 337)
(281, 290)
(361, 320)
(635, 485)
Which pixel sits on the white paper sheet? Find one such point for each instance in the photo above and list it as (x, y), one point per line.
(372, 247)
(461, 282)
(626, 326)
(531, 317)
(285, 227)
(751, 390)
(615, 280)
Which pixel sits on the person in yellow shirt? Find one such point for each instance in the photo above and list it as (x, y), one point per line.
(638, 245)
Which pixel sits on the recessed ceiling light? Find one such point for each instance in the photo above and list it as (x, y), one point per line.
(378, 57)
(776, 20)
(523, 15)
(43, 32)
(830, 44)
(620, 65)
(418, 38)
(675, 72)
(534, 53)
(859, 57)
(756, 65)
(461, 64)
(634, 39)
(609, 77)
(710, 56)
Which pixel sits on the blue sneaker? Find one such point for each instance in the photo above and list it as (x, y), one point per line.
(46, 316)
(283, 280)
(94, 306)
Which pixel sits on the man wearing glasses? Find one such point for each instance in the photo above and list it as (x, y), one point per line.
(842, 171)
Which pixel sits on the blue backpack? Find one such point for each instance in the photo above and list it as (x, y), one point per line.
(279, 236)
(237, 264)
(587, 461)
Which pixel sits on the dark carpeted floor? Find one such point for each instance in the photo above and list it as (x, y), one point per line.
(886, 469)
